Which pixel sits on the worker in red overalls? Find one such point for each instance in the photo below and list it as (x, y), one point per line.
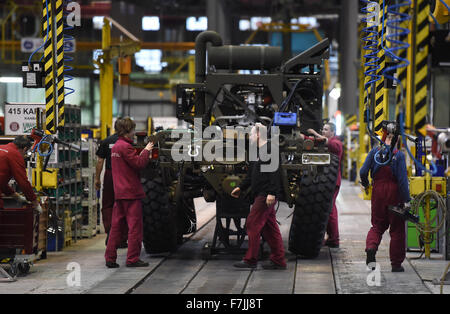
(128, 193)
(265, 187)
(390, 187)
(334, 147)
(104, 158)
(12, 165)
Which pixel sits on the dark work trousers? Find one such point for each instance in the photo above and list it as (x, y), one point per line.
(262, 221)
(333, 226)
(108, 205)
(131, 212)
(385, 193)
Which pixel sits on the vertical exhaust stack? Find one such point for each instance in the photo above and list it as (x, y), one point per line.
(200, 62)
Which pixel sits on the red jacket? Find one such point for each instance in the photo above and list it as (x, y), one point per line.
(12, 165)
(335, 147)
(126, 163)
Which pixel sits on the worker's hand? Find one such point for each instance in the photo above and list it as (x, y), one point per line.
(236, 192)
(37, 207)
(365, 188)
(19, 198)
(149, 146)
(313, 132)
(98, 184)
(270, 200)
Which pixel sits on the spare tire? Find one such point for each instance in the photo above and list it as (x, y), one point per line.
(159, 212)
(312, 210)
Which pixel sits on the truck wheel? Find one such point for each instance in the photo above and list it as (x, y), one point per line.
(24, 268)
(312, 210)
(160, 226)
(187, 220)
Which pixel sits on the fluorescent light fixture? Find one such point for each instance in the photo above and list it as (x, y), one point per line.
(335, 93)
(149, 59)
(194, 24)
(150, 23)
(244, 25)
(7, 79)
(312, 21)
(339, 124)
(258, 20)
(97, 22)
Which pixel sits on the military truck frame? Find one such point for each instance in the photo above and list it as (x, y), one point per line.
(286, 95)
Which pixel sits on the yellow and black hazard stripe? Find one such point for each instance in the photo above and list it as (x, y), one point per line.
(421, 66)
(60, 60)
(400, 92)
(380, 111)
(50, 92)
(350, 120)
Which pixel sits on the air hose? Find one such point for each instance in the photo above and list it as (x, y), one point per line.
(439, 218)
(44, 141)
(372, 66)
(67, 48)
(46, 39)
(396, 45)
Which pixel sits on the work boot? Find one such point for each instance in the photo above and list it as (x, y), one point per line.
(244, 264)
(370, 257)
(271, 265)
(332, 245)
(139, 263)
(112, 265)
(398, 269)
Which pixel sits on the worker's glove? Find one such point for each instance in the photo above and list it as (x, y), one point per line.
(38, 208)
(20, 198)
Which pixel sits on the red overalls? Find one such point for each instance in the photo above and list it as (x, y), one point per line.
(262, 221)
(108, 205)
(384, 193)
(128, 193)
(335, 147)
(12, 165)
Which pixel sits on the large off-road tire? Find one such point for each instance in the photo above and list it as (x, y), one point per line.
(160, 225)
(312, 210)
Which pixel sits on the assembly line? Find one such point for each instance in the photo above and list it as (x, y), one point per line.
(284, 150)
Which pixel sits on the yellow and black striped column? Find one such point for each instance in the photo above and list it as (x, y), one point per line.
(422, 32)
(60, 60)
(380, 111)
(400, 92)
(50, 92)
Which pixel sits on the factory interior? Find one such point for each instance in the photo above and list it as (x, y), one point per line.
(132, 137)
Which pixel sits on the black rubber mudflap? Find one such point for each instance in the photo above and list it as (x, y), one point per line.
(160, 226)
(312, 210)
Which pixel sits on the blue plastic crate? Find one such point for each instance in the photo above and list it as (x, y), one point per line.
(285, 119)
(51, 242)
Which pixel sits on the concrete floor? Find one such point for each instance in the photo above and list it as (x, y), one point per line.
(341, 271)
